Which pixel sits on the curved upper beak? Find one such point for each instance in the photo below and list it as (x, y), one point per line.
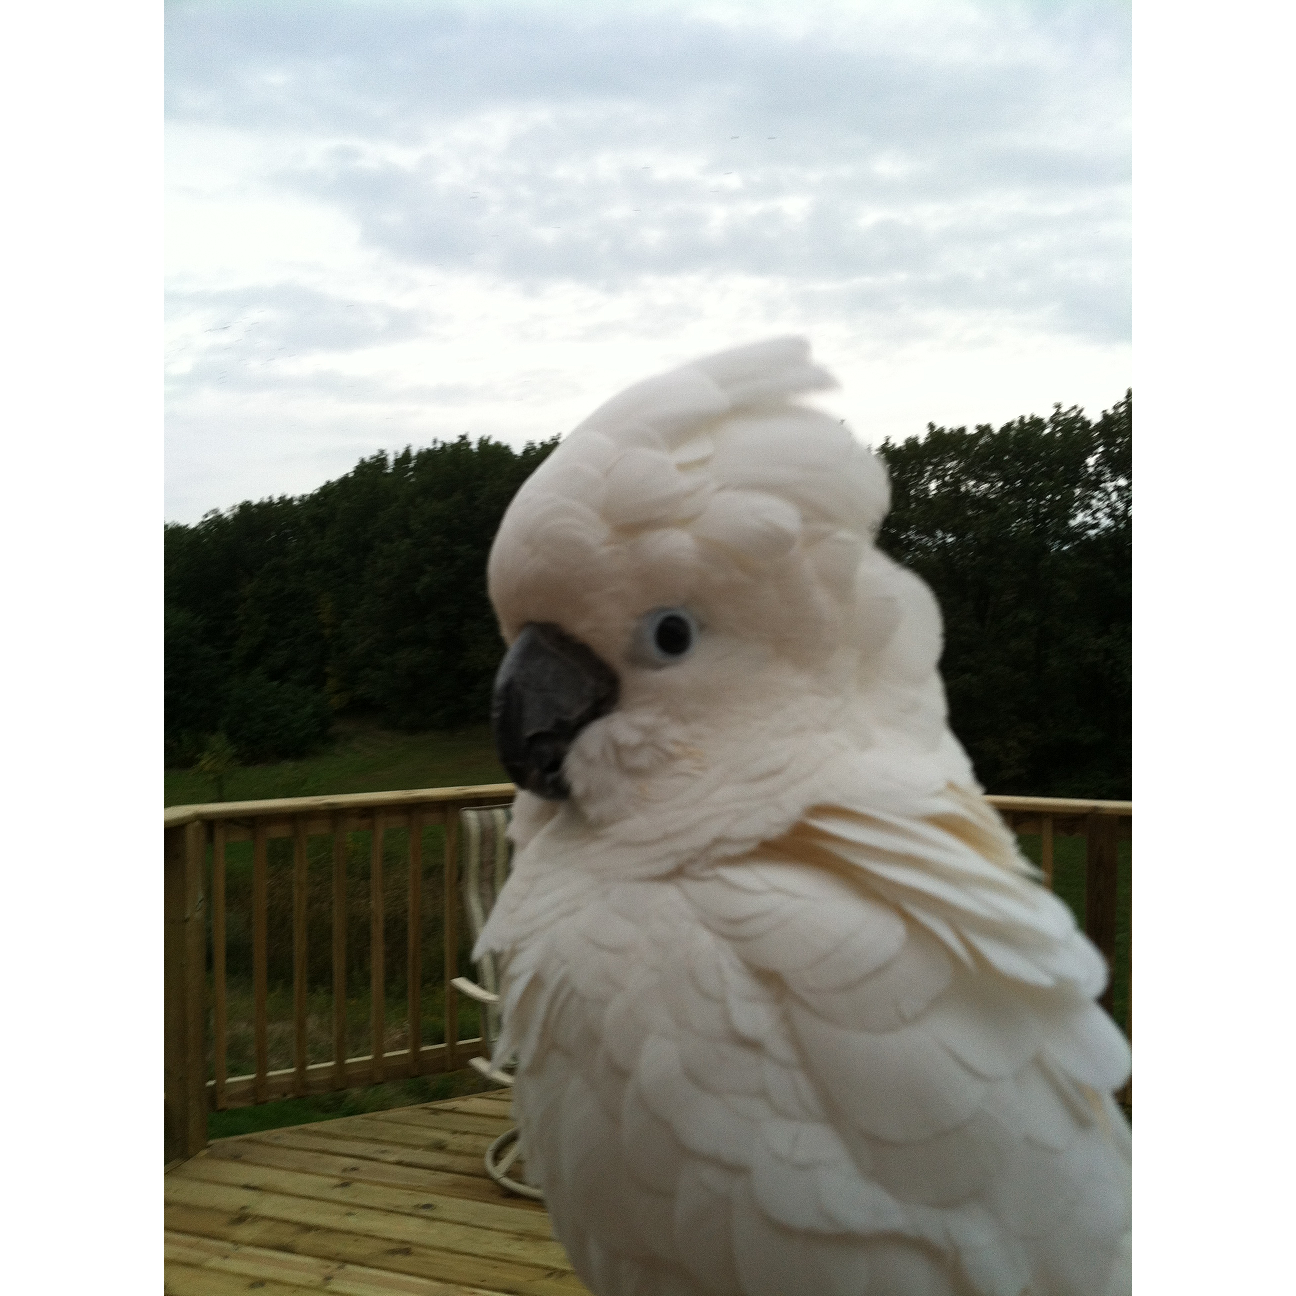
(548, 688)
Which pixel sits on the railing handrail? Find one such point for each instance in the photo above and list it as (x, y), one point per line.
(1065, 806)
(178, 816)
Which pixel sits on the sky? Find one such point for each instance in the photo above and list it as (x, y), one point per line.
(389, 223)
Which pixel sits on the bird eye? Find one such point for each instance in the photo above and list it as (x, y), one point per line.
(663, 636)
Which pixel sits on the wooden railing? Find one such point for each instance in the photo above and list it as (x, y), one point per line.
(192, 833)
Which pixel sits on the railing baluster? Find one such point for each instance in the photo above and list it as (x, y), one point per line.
(220, 1024)
(451, 934)
(339, 953)
(187, 1021)
(1100, 893)
(414, 943)
(184, 990)
(1126, 1094)
(300, 965)
(377, 969)
(1046, 848)
(259, 955)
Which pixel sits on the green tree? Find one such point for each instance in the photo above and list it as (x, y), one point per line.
(1024, 536)
(268, 718)
(419, 641)
(194, 685)
(369, 593)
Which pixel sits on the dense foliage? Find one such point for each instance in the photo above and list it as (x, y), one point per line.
(367, 594)
(370, 594)
(1024, 535)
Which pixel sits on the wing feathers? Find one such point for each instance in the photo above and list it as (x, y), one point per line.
(704, 1216)
(899, 1085)
(788, 1080)
(702, 1122)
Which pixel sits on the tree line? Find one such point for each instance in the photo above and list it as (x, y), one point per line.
(369, 595)
(1024, 535)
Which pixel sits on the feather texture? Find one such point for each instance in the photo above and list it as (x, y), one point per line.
(791, 1012)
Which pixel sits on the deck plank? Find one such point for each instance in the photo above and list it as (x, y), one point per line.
(469, 1147)
(185, 1280)
(482, 1105)
(338, 1160)
(468, 1178)
(298, 1271)
(452, 1122)
(368, 1221)
(378, 1253)
(297, 1181)
(376, 1205)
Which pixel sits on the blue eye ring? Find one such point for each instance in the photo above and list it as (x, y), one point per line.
(664, 636)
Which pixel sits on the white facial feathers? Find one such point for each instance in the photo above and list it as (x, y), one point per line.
(710, 489)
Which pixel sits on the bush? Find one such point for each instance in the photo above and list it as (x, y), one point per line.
(218, 759)
(266, 720)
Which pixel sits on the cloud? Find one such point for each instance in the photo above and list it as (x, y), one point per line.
(608, 226)
(280, 318)
(547, 146)
(417, 219)
(283, 337)
(386, 71)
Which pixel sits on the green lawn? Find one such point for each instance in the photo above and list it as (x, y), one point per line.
(361, 758)
(347, 1102)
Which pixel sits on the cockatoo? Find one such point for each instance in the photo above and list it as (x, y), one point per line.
(790, 1011)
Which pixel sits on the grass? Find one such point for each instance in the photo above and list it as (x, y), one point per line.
(362, 757)
(347, 1102)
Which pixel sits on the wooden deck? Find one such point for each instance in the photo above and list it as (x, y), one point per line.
(394, 1201)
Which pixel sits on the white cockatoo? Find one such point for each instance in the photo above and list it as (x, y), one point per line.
(790, 1011)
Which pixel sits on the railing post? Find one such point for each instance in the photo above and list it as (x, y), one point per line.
(260, 957)
(1100, 893)
(301, 964)
(414, 945)
(450, 932)
(377, 956)
(339, 952)
(184, 991)
(1046, 848)
(220, 1004)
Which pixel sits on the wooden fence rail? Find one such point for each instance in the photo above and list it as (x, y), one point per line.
(191, 832)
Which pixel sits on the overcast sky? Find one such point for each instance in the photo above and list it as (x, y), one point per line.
(389, 223)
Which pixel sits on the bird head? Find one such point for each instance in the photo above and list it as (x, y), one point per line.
(697, 613)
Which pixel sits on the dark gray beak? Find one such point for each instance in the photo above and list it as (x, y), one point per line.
(548, 688)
